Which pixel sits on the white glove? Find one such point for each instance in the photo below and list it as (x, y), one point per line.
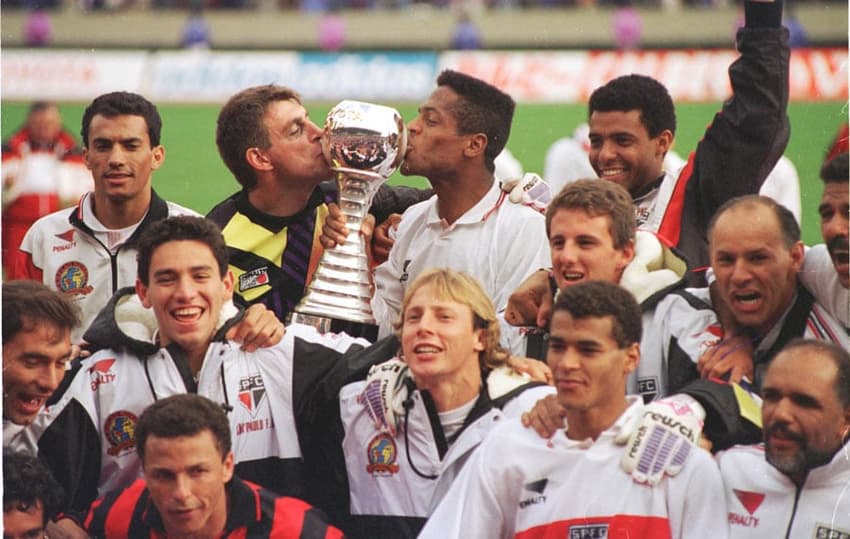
(662, 437)
(384, 394)
(530, 190)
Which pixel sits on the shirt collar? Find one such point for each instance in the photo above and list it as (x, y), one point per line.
(479, 212)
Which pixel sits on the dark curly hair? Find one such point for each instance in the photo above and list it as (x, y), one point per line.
(637, 92)
(598, 299)
(27, 481)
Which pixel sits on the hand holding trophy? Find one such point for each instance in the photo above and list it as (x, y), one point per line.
(365, 144)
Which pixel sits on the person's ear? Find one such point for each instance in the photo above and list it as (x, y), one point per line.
(142, 292)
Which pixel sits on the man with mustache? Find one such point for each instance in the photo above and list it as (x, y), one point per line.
(826, 269)
(795, 484)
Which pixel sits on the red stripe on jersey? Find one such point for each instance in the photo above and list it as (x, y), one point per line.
(288, 518)
(671, 223)
(118, 520)
(645, 527)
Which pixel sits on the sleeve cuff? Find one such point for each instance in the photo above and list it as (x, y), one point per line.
(763, 14)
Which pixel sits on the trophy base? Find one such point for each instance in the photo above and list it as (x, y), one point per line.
(334, 325)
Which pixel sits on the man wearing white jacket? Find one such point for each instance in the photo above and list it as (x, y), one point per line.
(520, 485)
(177, 345)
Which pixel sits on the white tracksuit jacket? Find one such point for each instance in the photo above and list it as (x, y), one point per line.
(764, 503)
(521, 485)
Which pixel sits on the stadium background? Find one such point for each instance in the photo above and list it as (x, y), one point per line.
(193, 174)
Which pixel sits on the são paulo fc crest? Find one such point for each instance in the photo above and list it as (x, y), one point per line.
(73, 278)
(382, 453)
(252, 389)
(120, 431)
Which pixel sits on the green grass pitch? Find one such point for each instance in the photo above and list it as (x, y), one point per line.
(193, 174)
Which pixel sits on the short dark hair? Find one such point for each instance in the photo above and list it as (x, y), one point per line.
(123, 104)
(27, 481)
(180, 228)
(240, 126)
(26, 303)
(836, 169)
(839, 356)
(482, 108)
(599, 299)
(598, 197)
(187, 414)
(637, 92)
(789, 228)
(40, 105)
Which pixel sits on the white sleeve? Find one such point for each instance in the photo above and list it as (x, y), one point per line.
(471, 507)
(697, 501)
(521, 248)
(386, 303)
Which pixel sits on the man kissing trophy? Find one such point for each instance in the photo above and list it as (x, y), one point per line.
(365, 144)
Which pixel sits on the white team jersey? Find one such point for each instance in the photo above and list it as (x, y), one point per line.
(762, 502)
(819, 277)
(497, 242)
(518, 484)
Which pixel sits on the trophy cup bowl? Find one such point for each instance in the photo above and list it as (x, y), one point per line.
(364, 144)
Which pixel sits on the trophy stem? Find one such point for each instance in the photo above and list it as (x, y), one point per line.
(342, 287)
(365, 144)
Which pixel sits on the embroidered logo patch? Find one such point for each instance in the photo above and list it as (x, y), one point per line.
(73, 278)
(252, 389)
(253, 279)
(382, 454)
(827, 532)
(120, 432)
(101, 373)
(648, 388)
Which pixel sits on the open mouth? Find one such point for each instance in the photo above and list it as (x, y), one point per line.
(572, 277)
(187, 314)
(426, 349)
(29, 404)
(747, 301)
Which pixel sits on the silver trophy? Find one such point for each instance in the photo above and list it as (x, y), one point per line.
(365, 144)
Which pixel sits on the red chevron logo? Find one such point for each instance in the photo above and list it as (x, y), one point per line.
(750, 500)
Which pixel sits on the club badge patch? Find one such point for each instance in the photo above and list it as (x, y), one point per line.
(73, 278)
(252, 389)
(382, 454)
(253, 279)
(120, 431)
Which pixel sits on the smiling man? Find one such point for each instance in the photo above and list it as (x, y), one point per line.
(518, 484)
(633, 123)
(190, 490)
(178, 344)
(37, 324)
